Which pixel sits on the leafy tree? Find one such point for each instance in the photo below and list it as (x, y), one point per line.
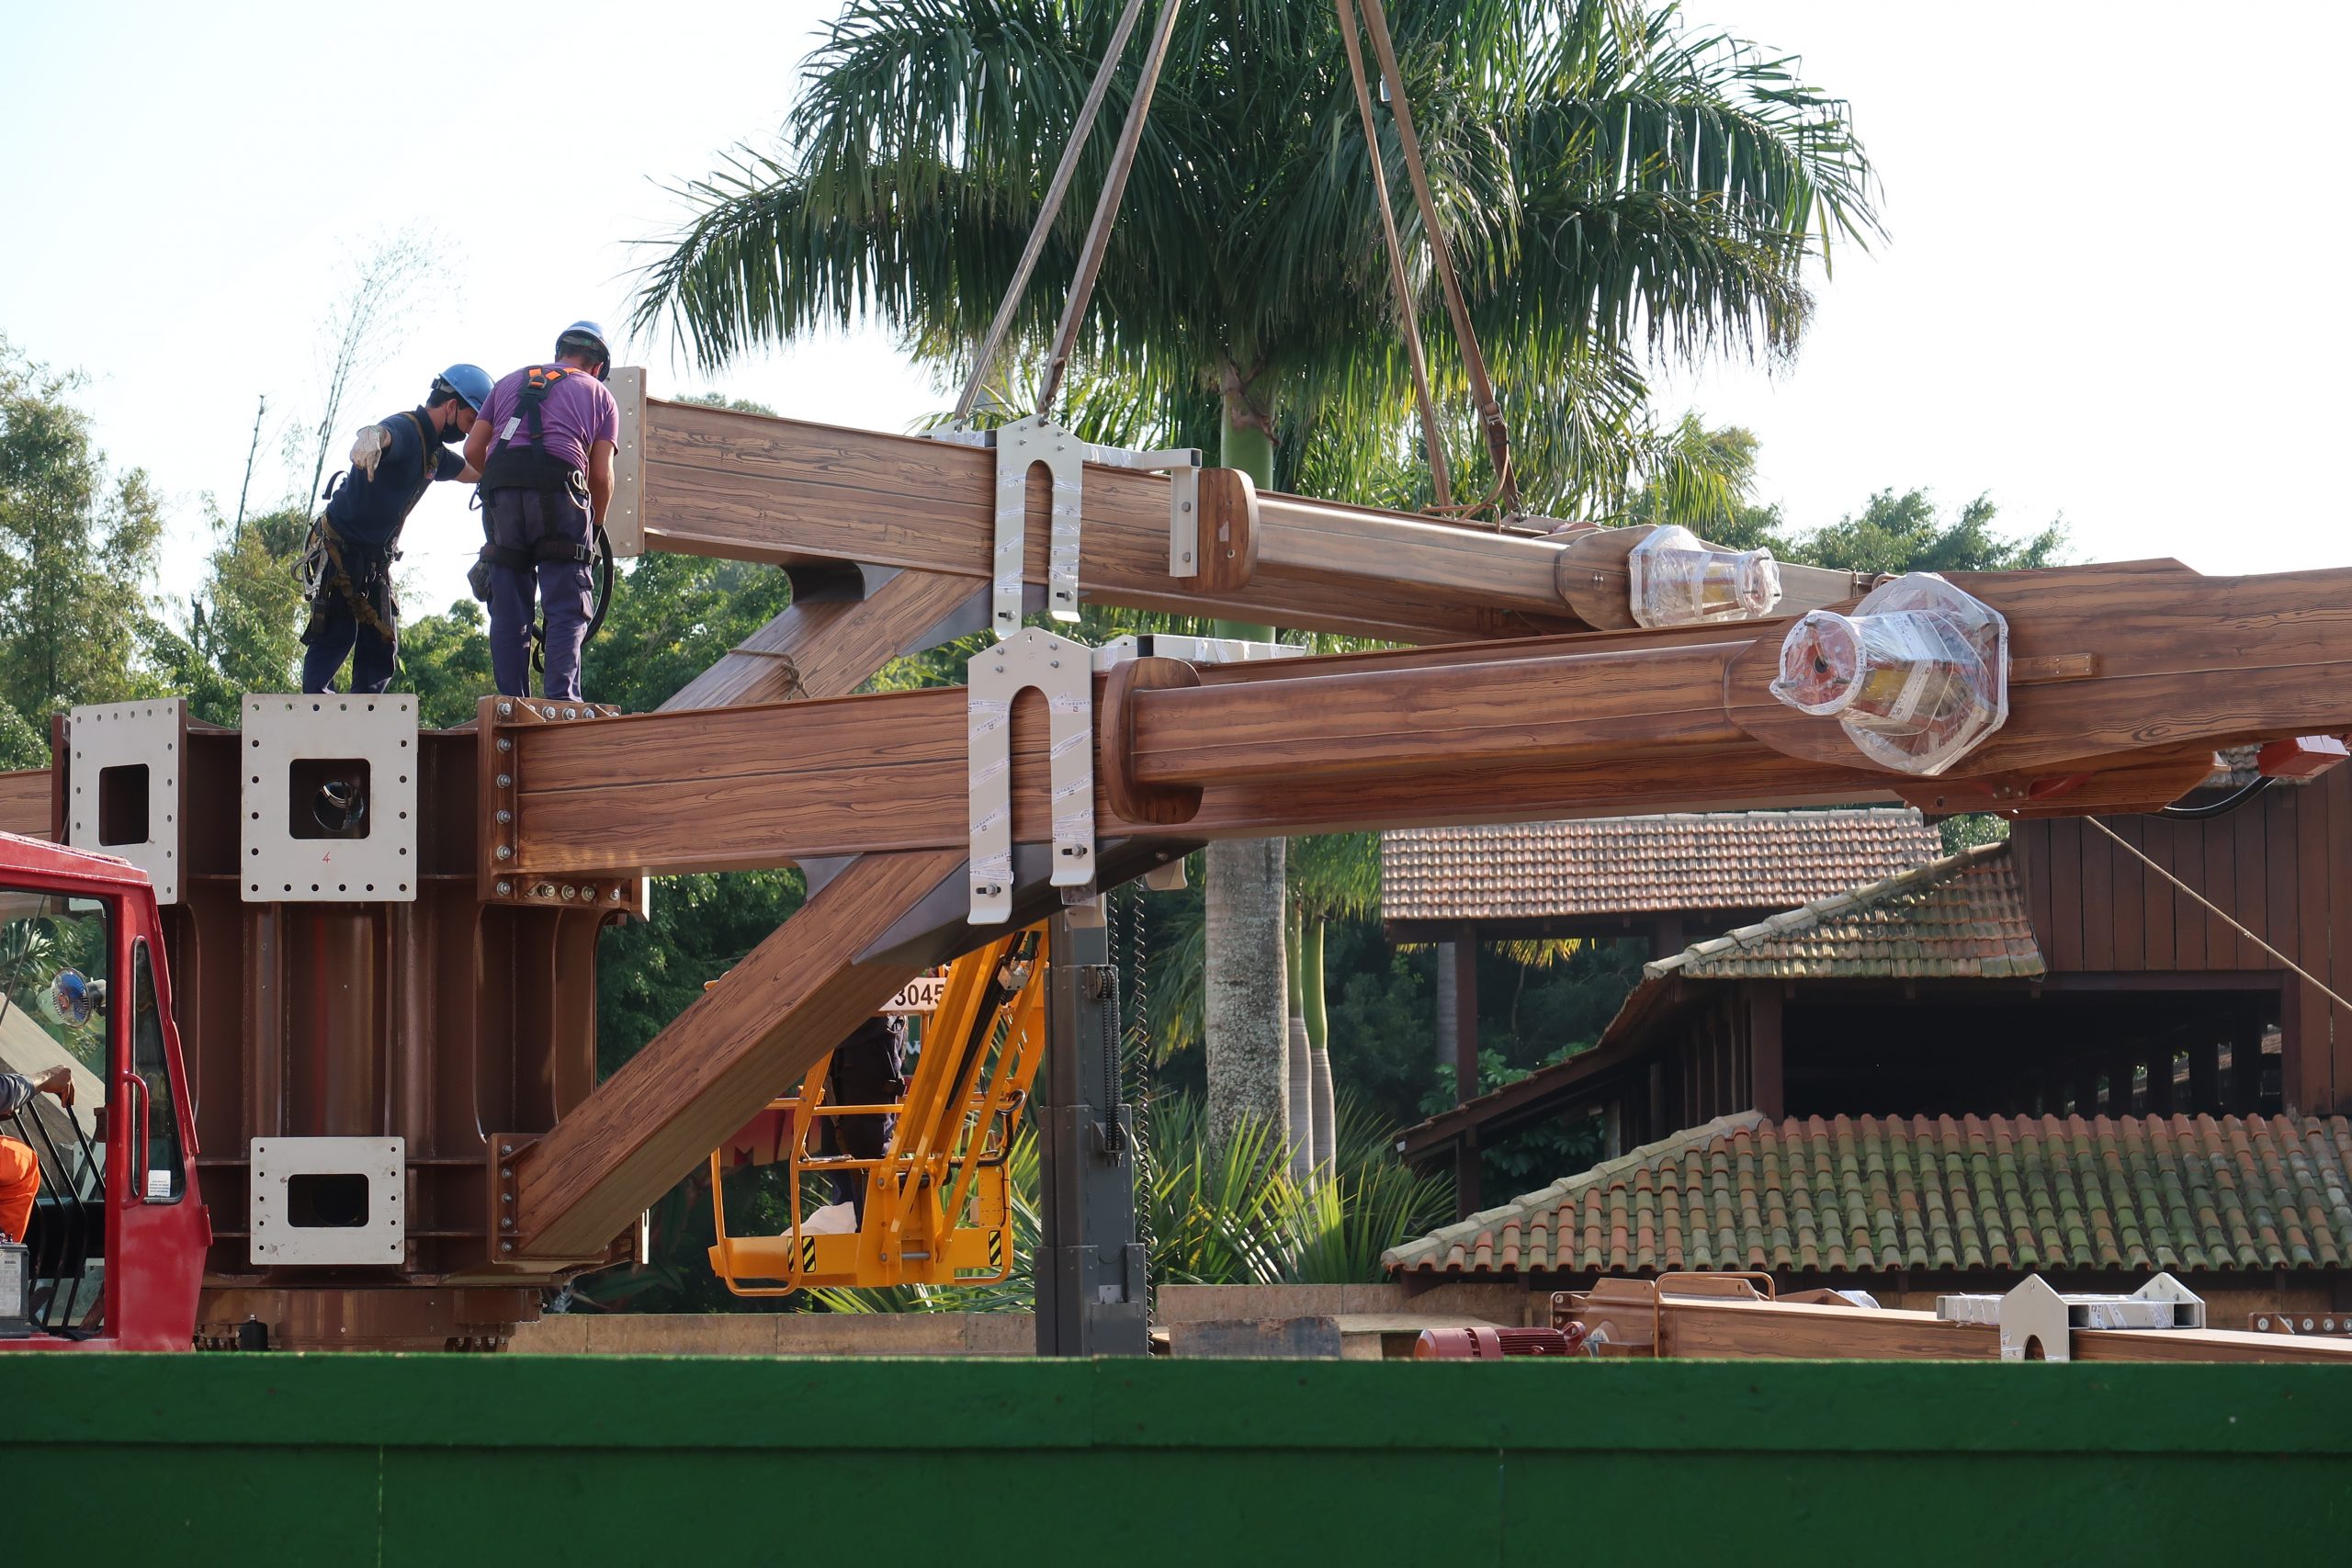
(243, 623)
(445, 660)
(77, 549)
(1616, 187)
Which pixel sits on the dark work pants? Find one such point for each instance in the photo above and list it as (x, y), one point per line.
(373, 656)
(517, 521)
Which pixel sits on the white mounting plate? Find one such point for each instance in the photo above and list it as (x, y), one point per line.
(1190, 649)
(1064, 672)
(117, 735)
(1022, 445)
(281, 731)
(381, 1238)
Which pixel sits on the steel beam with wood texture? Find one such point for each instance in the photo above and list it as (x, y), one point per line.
(790, 1000)
(827, 647)
(716, 482)
(1700, 1328)
(25, 804)
(2131, 673)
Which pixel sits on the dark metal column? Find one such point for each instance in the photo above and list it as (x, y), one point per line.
(1090, 1268)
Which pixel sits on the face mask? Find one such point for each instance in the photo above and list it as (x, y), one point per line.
(451, 435)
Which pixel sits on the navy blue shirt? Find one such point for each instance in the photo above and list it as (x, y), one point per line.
(370, 512)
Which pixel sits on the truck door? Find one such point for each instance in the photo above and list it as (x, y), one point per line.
(57, 952)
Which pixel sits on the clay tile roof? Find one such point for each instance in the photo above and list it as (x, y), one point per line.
(1874, 1194)
(1964, 916)
(1619, 865)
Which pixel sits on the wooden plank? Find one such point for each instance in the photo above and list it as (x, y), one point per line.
(2281, 827)
(746, 1039)
(2098, 857)
(2191, 949)
(2158, 896)
(2128, 899)
(2067, 896)
(25, 803)
(2327, 1026)
(2029, 850)
(2246, 899)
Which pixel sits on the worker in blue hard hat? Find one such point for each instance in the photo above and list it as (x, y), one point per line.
(544, 448)
(356, 538)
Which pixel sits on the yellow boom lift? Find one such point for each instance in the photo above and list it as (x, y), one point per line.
(937, 1207)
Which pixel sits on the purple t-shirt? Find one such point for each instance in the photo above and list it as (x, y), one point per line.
(579, 411)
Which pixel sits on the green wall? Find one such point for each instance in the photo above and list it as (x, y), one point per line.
(180, 1461)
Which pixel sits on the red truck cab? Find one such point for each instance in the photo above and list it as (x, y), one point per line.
(116, 1245)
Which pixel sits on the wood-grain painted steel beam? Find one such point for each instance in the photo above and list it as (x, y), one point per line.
(2125, 678)
(713, 481)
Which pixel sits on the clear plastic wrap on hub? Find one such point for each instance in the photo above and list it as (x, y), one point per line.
(1917, 676)
(1677, 580)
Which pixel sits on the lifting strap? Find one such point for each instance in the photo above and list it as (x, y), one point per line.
(1407, 316)
(1482, 390)
(1051, 209)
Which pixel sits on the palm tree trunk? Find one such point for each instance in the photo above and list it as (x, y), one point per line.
(1318, 1046)
(1244, 1010)
(1299, 1073)
(1247, 1013)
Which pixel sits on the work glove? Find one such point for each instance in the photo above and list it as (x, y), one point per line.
(477, 576)
(368, 449)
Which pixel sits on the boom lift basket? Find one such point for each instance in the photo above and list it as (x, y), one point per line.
(937, 1207)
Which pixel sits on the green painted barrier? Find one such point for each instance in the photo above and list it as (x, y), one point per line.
(187, 1460)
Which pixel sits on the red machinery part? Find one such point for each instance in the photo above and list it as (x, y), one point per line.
(1494, 1344)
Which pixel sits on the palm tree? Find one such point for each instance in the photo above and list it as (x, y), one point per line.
(1616, 191)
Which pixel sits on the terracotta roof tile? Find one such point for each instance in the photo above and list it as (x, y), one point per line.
(1615, 865)
(1964, 916)
(1875, 1194)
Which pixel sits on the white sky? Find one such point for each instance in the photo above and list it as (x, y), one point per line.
(2105, 293)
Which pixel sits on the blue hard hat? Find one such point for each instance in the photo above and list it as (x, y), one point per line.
(471, 382)
(584, 328)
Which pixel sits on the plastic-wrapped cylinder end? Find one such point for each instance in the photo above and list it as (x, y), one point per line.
(1674, 579)
(1917, 676)
(1821, 663)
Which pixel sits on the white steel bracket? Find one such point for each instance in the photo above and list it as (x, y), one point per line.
(2033, 1317)
(328, 1200)
(1024, 443)
(1063, 671)
(108, 738)
(280, 858)
(1190, 649)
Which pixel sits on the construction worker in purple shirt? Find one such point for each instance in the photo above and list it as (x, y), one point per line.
(544, 447)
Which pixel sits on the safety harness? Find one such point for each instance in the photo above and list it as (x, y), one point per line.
(533, 468)
(367, 588)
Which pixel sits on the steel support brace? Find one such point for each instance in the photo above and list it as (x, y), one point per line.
(1063, 671)
(1024, 443)
(1090, 1267)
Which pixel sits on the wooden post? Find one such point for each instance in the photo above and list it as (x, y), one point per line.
(1466, 1015)
(2205, 1078)
(2245, 1067)
(1666, 937)
(1467, 1184)
(1767, 1078)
